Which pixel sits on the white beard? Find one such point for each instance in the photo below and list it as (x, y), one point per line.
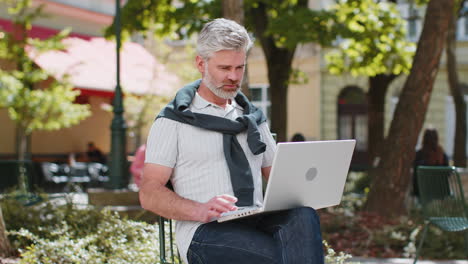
(218, 90)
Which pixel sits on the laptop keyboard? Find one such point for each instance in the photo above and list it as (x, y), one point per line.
(240, 211)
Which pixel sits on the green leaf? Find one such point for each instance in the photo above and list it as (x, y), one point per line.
(372, 40)
(33, 98)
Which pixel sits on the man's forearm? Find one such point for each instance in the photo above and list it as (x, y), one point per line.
(157, 198)
(164, 202)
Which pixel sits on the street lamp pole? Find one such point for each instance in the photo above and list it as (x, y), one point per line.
(118, 163)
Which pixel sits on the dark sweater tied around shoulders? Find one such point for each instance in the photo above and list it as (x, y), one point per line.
(239, 169)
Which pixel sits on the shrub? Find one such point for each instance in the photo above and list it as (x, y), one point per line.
(333, 257)
(369, 235)
(358, 182)
(115, 240)
(51, 232)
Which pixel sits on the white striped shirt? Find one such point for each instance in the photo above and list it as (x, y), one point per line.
(197, 156)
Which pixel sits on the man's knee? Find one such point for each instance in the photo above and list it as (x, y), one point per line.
(306, 212)
(307, 216)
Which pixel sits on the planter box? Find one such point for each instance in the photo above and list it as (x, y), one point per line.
(125, 202)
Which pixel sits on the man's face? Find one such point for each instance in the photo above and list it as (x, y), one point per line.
(223, 72)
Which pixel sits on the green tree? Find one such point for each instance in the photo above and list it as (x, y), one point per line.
(373, 44)
(377, 49)
(234, 10)
(391, 178)
(278, 25)
(5, 247)
(139, 111)
(34, 99)
(275, 23)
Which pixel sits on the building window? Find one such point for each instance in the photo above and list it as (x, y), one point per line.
(413, 23)
(261, 98)
(464, 23)
(410, 12)
(352, 116)
(352, 121)
(466, 26)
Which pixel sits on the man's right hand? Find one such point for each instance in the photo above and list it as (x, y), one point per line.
(215, 207)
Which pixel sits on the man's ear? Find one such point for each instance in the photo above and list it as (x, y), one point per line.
(200, 63)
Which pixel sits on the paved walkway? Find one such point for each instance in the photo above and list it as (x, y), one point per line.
(403, 261)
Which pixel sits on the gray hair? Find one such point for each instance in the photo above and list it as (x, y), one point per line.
(222, 34)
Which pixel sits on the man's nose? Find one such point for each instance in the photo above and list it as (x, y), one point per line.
(233, 75)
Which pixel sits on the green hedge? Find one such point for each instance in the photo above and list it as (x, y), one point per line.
(54, 231)
(51, 233)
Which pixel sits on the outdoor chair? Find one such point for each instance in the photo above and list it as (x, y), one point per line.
(78, 177)
(164, 237)
(98, 172)
(53, 172)
(442, 200)
(79, 172)
(55, 176)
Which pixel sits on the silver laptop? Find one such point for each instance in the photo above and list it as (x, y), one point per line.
(311, 173)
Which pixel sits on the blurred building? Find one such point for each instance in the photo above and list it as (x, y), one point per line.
(319, 108)
(335, 106)
(90, 61)
(343, 117)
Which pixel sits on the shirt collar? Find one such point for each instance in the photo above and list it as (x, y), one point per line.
(199, 103)
(236, 105)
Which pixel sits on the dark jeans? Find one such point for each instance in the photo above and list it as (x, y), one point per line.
(290, 236)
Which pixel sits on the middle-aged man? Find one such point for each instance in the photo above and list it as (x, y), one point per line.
(214, 146)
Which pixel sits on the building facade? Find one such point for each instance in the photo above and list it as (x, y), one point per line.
(87, 20)
(316, 108)
(339, 121)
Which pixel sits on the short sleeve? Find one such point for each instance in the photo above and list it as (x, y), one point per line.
(161, 146)
(270, 142)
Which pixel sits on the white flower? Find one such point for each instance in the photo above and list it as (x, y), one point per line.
(409, 250)
(398, 236)
(414, 234)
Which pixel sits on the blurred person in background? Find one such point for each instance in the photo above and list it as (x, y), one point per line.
(137, 164)
(430, 154)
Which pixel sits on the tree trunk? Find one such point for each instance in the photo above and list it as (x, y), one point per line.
(234, 10)
(391, 178)
(5, 247)
(20, 34)
(22, 149)
(378, 86)
(459, 146)
(279, 64)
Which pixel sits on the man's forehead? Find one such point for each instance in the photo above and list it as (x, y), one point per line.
(228, 58)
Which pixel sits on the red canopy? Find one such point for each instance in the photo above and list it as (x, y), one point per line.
(91, 66)
(38, 31)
